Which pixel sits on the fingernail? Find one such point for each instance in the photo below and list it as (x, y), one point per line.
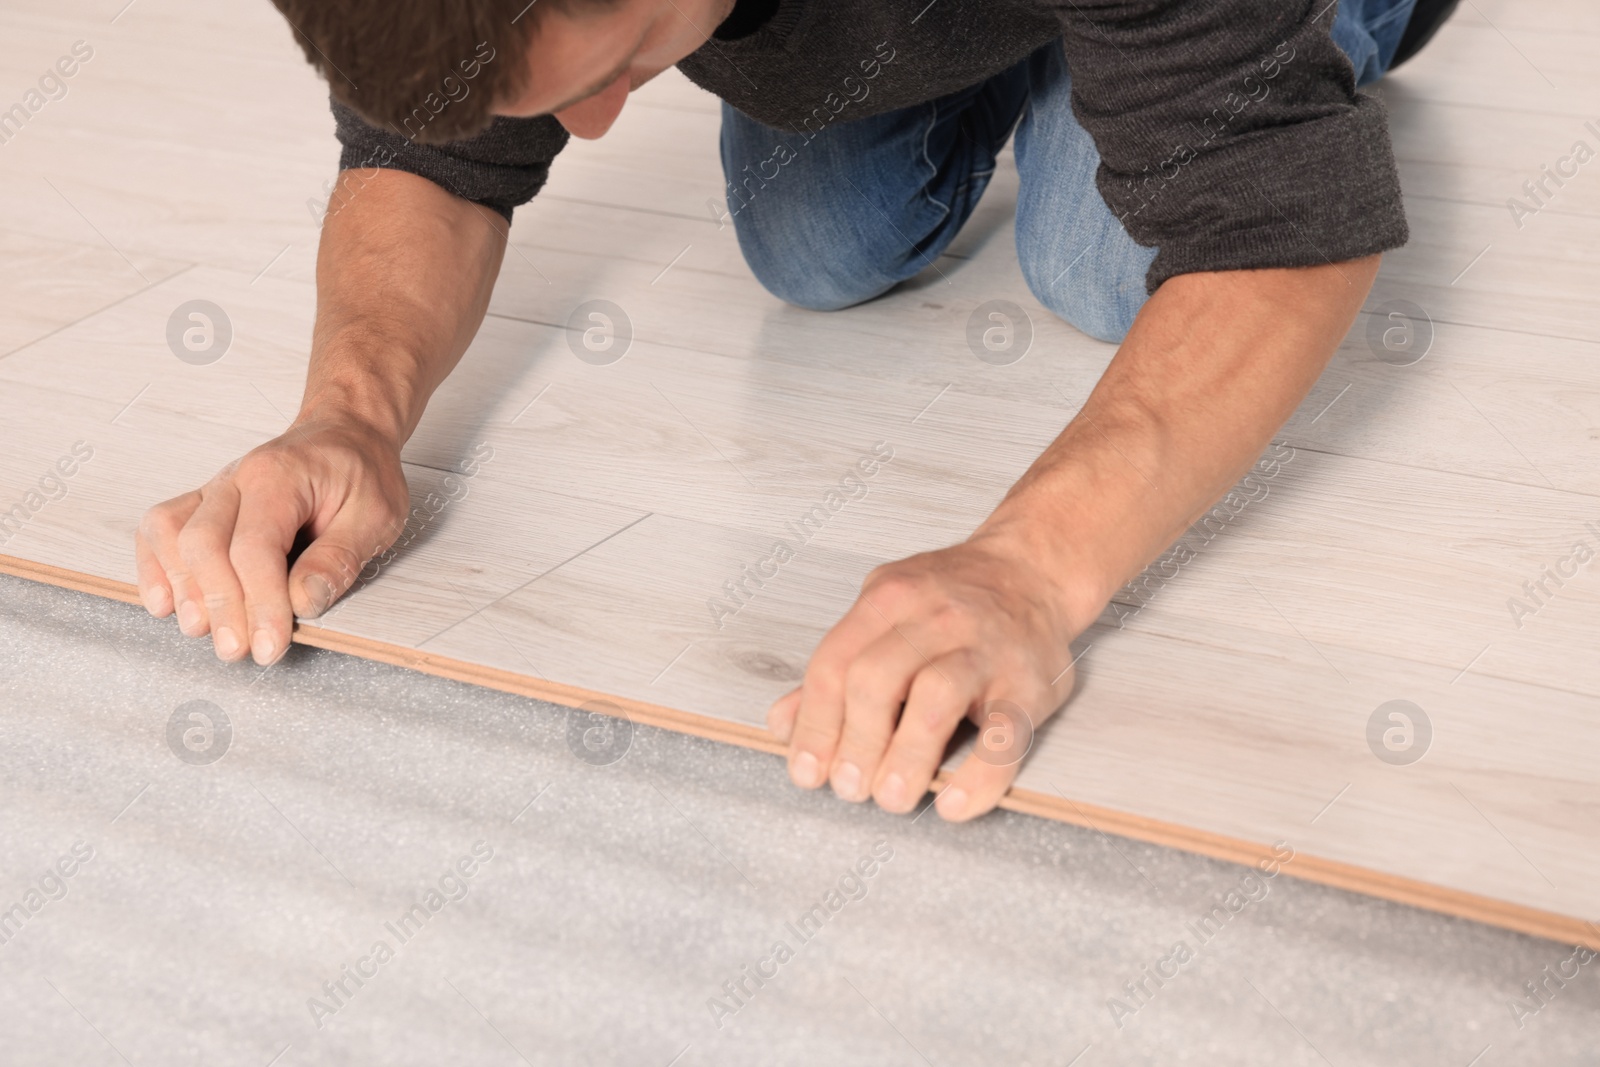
(227, 642)
(952, 803)
(263, 646)
(318, 592)
(805, 771)
(893, 791)
(189, 618)
(847, 780)
(157, 601)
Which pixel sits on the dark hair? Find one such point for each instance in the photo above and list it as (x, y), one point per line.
(430, 70)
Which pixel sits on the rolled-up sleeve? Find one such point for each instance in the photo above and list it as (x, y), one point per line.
(501, 168)
(1231, 134)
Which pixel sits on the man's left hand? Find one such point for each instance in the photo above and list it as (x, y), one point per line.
(978, 631)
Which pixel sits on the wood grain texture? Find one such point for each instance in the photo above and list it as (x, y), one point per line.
(575, 525)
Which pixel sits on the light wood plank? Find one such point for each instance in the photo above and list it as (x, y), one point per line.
(1488, 63)
(46, 285)
(1485, 155)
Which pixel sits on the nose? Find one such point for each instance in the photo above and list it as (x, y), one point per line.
(591, 117)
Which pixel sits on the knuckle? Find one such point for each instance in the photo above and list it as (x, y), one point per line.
(950, 625)
(260, 466)
(965, 660)
(937, 713)
(939, 716)
(246, 548)
(894, 588)
(161, 522)
(823, 676)
(863, 680)
(154, 527)
(960, 666)
(195, 543)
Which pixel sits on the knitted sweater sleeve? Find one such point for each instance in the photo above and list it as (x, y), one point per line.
(500, 168)
(1231, 133)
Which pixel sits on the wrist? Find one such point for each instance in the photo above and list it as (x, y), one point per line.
(1085, 513)
(1081, 581)
(370, 393)
(370, 417)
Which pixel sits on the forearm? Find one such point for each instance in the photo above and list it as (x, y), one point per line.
(1213, 366)
(404, 273)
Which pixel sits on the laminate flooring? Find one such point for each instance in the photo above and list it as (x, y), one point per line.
(1225, 709)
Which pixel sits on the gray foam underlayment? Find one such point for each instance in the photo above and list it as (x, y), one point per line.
(220, 898)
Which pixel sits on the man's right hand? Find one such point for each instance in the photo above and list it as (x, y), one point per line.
(404, 274)
(219, 555)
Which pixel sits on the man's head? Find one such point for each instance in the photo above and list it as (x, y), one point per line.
(441, 70)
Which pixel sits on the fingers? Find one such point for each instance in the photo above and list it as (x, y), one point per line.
(939, 699)
(816, 729)
(219, 556)
(262, 538)
(875, 689)
(885, 714)
(153, 587)
(204, 545)
(164, 583)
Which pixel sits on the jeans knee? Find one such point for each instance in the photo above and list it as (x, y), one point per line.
(804, 261)
(1097, 293)
(816, 283)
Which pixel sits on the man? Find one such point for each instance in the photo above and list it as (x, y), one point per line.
(1200, 180)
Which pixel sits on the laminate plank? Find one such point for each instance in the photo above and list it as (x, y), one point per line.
(1468, 263)
(1470, 61)
(1275, 768)
(140, 216)
(1485, 403)
(46, 285)
(1356, 877)
(1485, 155)
(445, 570)
(671, 89)
(1450, 589)
(255, 383)
(1474, 404)
(1546, 16)
(229, 28)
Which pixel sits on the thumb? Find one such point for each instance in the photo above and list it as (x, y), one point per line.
(331, 564)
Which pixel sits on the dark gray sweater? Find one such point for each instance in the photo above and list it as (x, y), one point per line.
(1230, 132)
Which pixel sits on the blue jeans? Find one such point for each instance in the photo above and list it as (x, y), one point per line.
(866, 204)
